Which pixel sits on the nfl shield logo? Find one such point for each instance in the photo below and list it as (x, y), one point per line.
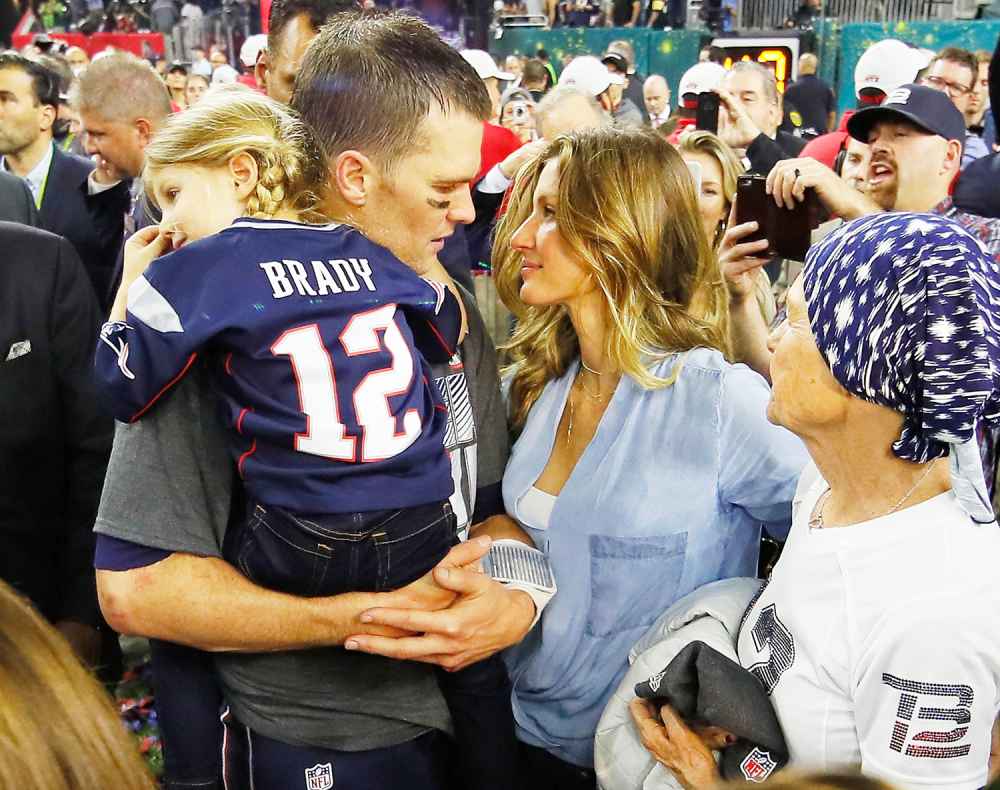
(757, 765)
(319, 777)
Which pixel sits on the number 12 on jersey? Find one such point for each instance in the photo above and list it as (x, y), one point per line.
(316, 380)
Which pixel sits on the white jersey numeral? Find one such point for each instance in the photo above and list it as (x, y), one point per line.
(371, 398)
(326, 435)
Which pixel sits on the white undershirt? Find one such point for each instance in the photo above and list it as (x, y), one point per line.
(535, 508)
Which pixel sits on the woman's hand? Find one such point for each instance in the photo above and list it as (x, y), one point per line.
(740, 261)
(485, 618)
(679, 748)
(143, 247)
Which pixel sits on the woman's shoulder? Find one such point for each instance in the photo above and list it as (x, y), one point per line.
(710, 366)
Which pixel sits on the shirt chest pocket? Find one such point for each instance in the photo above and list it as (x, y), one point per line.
(632, 580)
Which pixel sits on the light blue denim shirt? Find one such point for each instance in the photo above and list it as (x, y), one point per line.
(670, 494)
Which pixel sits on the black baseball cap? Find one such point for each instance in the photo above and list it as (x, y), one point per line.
(177, 66)
(929, 109)
(618, 60)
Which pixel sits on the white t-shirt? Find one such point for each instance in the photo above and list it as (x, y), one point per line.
(879, 643)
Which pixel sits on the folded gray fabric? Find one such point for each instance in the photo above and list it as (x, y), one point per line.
(703, 685)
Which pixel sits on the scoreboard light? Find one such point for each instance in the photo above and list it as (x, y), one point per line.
(781, 55)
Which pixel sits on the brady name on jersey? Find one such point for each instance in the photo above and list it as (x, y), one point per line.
(319, 341)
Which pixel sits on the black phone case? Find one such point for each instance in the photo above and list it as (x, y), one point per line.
(788, 231)
(707, 115)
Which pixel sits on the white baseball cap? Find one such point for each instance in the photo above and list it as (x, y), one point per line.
(225, 75)
(589, 75)
(700, 78)
(252, 48)
(484, 65)
(886, 65)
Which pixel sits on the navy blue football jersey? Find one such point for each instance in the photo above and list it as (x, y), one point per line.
(317, 339)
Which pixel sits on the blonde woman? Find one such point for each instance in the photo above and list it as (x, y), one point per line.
(644, 464)
(58, 728)
(720, 167)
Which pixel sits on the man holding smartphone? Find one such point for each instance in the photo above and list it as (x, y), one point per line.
(751, 114)
(915, 139)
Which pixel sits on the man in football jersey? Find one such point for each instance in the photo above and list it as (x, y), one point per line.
(368, 721)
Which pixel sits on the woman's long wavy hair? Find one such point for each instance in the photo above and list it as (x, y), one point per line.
(627, 212)
(58, 727)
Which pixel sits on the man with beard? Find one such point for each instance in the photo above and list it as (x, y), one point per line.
(915, 140)
(297, 709)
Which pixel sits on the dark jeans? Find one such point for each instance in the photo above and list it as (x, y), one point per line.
(327, 555)
(343, 552)
(541, 770)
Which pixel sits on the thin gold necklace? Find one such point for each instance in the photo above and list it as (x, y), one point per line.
(816, 522)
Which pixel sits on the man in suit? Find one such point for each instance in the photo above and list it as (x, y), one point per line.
(55, 443)
(58, 181)
(16, 203)
(122, 103)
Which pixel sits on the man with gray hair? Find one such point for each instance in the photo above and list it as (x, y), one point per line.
(567, 108)
(122, 103)
(751, 114)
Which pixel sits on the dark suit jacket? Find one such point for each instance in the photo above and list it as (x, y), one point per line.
(54, 443)
(16, 203)
(764, 153)
(143, 214)
(93, 224)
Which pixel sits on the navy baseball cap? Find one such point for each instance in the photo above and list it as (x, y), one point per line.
(926, 108)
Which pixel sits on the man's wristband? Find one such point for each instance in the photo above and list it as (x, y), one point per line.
(518, 566)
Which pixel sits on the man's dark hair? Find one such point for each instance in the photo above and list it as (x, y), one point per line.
(368, 81)
(960, 56)
(59, 66)
(716, 55)
(44, 83)
(542, 54)
(284, 11)
(534, 72)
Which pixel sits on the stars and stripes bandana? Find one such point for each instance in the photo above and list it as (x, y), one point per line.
(905, 309)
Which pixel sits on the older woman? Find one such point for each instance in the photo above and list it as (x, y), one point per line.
(644, 465)
(877, 637)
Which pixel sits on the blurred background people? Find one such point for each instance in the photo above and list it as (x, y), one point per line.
(92, 223)
(194, 88)
(812, 99)
(955, 72)
(176, 82)
(656, 99)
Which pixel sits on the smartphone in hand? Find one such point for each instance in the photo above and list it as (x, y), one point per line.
(707, 115)
(788, 231)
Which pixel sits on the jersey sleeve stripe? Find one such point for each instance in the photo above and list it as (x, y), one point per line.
(440, 338)
(150, 306)
(167, 386)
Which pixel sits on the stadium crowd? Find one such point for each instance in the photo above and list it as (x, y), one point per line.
(551, 430)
